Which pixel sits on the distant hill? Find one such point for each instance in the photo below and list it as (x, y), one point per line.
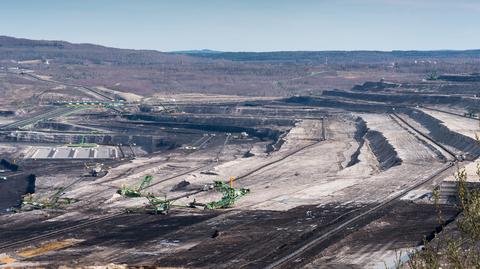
(339, 56)
(69, 53)
(26, 49)
(203, 51)
(149, 72)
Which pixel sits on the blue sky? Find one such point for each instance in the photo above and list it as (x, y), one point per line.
(249, 25)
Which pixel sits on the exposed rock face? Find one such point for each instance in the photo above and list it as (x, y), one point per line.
(60, 126)
(398, 98)
(384, 152)
(147, 142)
(9, 165)
(440, 133)
(214, 120)
(14, 188)
(375, 86)
(252, 126)
(359, 136)
(461, 78)
(338, 104)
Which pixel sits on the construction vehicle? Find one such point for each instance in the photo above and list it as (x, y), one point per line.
(230, 195)
(158, 205)
(95, 169)
(29, 202)
(136, 191)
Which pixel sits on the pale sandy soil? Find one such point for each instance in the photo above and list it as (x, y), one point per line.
(461, 125)
(316, 175)
(201, 98)
(44, 77)
(409, 148)
(128, 96)
(30, 62)
(424, 130)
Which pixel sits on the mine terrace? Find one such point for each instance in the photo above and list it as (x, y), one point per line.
(140, 158)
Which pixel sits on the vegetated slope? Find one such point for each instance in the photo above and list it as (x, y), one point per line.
(338, 56)
(65, 52)
(148, 72)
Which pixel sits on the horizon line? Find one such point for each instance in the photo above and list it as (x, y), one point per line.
(213, 51)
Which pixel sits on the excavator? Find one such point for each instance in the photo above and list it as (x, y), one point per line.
(136, 191)
(158, 205)
(155, 204)
(29, 202)
(230, 195)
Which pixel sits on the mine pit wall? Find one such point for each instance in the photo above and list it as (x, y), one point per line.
(384, 152)
(277, 127)
(14, 188)
(213, 120)
(210, 109)
(264, 111)
(439, 155)
(440, 133)
(61, 126)
(338, 104)
(359, 136)
(221, 124)
(9, 165)
(395, 99)
(407, 99)
(148, 143)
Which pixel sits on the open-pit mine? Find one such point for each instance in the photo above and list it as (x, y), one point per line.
(91, 176)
